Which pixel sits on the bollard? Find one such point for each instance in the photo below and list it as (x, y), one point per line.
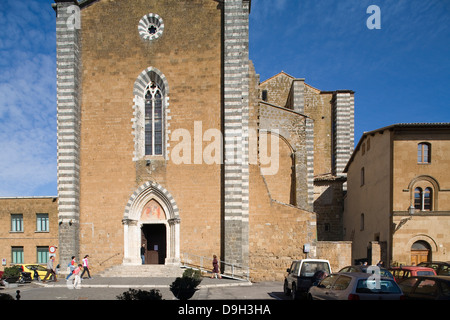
(18, 295)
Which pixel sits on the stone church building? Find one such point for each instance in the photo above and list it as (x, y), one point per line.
(167, 138)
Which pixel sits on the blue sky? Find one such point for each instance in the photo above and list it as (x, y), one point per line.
(400, 73)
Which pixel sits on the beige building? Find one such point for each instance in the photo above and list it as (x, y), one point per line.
(29, 228)
(397, 206)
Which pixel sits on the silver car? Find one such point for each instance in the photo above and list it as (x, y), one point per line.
(355, 286)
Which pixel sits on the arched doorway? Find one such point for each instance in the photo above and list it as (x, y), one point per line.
(420, 252)
(151, 218)
(153, 233)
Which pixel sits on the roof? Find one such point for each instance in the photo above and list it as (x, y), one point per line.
(421, 125)
(83, 3)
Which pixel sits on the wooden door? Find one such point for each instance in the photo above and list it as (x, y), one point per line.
(418, 256)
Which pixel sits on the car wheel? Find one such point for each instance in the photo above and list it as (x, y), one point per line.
(294, 292)
(286, 289)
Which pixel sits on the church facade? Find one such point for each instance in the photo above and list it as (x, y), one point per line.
(168, 139)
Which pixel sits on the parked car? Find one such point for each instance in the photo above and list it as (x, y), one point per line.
(426, 288)
(355, 286)
(365, 269)
(404, 272)
(302, 274)
(442, 268)
(33, 269)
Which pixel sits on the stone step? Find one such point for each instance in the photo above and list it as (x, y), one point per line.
(156, 271)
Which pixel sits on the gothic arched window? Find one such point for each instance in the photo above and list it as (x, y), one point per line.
(153, 120)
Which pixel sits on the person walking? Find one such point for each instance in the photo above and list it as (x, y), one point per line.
(50, 269)
(77, 280)
(72, 266)
(216, 272)
(85, 267)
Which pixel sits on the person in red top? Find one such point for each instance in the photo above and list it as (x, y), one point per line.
(72, 266)
(77, 280)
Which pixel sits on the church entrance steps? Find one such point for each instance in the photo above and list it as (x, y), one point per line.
(147, 270)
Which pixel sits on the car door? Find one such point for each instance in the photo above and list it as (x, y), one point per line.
(339, 289)
(426, 289)
(322, 290)
(293, 271)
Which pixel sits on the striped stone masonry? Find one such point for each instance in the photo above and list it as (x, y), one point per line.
(68, 123)
(235, 123)
(343, 135)
(310, 162)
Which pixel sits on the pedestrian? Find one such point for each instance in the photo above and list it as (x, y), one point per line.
(72, 265)
(86, 266)
(143, 253)
(77, 280)
(50, 268)
(380, 264)
(216, 272)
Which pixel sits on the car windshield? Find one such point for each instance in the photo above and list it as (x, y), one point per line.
(311, 267)
(36, 267)
(377, 286)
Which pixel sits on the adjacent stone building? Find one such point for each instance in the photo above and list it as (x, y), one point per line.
(29, 228)
(167, 139)
(397, 207)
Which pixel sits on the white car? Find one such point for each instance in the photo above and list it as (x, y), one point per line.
(355, 286)
(303, 274)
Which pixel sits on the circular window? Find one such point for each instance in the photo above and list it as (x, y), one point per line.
(151, 27)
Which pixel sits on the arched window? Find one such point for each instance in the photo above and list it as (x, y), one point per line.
(423, 153)
(418, 198)
(423, 199)
(150, 110)
(153, 120)
(427, 197)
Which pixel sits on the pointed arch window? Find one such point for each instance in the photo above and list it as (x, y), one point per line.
(153, 120)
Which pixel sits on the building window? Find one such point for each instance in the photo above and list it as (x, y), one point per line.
(423, 199)
(42, 222)
(151, 27)
(153, 120)
(423, 153)
(362, 176)
(362, 222)
(42, 255)
(264, 95)
(16, 223)
(17, 255)
(427, 195)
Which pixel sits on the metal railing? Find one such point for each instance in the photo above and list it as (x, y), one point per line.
(228, 270)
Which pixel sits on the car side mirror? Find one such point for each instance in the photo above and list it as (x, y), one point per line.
(288, 270)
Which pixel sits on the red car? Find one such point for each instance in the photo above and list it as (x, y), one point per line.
(404, 272)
